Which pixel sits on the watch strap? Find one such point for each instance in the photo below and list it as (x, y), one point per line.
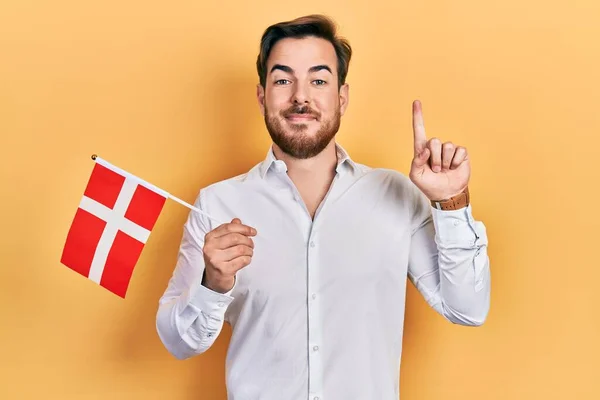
(453, 203)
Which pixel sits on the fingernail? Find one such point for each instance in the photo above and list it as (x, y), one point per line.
(437, 168)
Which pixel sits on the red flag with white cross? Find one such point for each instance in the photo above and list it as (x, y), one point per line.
(111, 226)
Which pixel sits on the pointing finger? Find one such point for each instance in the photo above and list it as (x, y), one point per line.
(420, 139)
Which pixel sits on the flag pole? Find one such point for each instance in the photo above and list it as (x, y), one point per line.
(178, 200)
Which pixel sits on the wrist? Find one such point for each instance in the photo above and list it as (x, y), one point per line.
(218, 285)
(455, 202)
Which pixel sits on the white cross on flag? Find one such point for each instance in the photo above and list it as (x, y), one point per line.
(111, 226)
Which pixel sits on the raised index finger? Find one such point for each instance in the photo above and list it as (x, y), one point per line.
(420, 138)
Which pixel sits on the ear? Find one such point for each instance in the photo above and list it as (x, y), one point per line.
(260, 96)
(344, 98)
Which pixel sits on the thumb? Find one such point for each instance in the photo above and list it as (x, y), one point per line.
(236, 221)
(421, 159)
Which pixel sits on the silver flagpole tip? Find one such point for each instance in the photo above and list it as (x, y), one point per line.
(94, 156)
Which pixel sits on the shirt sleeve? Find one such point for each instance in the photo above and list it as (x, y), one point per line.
(448, 262)
(190, 316)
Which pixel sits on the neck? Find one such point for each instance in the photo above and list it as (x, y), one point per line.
(320, 167)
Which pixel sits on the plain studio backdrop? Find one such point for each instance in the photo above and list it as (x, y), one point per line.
(166, 90)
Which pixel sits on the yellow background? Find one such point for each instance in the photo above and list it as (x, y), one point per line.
(166, 90)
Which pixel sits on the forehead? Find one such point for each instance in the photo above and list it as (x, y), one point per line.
(302, 54)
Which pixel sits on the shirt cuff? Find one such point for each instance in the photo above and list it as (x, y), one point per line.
(454, 225)
(210, 302)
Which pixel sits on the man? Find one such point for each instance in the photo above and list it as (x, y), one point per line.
(311, 271)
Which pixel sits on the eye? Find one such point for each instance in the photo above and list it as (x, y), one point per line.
(282, 82)
(319, 82)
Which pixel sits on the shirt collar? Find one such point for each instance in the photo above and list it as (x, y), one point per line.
(270, 162)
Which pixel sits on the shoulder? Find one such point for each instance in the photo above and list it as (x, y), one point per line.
(215, 198)
(394, 187)
(235, 182)
(387, 178)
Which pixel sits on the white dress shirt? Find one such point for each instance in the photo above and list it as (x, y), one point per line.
(318, 314)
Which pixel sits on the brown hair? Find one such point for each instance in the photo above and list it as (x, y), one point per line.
(311, 25)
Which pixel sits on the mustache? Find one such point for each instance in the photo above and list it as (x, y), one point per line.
(300, 110)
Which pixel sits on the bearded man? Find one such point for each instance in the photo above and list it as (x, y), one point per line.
(311, 271)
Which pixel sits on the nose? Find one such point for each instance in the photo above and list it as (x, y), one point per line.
(300, 95)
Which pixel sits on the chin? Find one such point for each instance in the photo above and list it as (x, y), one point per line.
(307, 128)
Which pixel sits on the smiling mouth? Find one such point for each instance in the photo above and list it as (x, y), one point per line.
(300, 117)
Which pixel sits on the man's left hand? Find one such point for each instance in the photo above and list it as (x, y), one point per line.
(439, 170)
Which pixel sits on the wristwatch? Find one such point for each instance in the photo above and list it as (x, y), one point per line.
(453, 203)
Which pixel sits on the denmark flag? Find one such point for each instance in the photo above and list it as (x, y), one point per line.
(111, 226)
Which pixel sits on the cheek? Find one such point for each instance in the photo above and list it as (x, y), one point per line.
(278, 95)
(275, 104)
(328, 105)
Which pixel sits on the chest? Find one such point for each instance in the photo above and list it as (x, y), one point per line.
(312, 194)
(344, 249)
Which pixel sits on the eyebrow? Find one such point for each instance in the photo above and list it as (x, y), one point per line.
(289, 70)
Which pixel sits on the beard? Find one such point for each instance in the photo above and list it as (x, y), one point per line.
(298, 143)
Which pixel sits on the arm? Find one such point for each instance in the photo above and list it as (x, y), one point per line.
(190, 316)
(448, 262)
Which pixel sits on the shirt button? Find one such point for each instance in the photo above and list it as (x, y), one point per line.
(315, 348)
(312, 244)
(314, 296)
(456, 223)
(316, 398)
(220, 304)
